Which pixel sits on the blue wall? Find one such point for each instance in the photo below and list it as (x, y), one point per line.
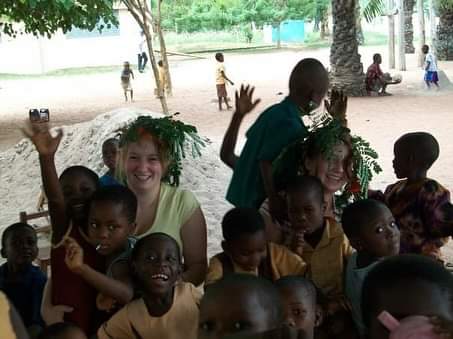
(290, 31)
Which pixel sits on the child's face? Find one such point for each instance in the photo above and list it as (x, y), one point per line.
(305, 211)
(238, 310)
(158, 266)
(381, 236)
(248, 251)
(110, 155)
(401, 160)
(21, 247)
(407, 299)
(108, 226)
(77, 190)
(299, 307)
(425, 50)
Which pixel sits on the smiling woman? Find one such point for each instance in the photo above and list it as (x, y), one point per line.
(151, 151)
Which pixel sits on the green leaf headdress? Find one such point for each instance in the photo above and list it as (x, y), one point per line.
(173, 134)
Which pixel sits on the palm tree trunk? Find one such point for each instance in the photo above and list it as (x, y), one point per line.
(409, 26)
(346, 68)
(444, 37)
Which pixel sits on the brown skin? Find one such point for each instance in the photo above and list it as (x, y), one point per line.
(405, 163)
(21, 248)
(110, 156)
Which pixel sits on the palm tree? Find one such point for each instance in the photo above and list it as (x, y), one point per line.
(409, 26)
(444, 38)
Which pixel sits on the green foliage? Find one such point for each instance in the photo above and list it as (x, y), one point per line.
(371, 9)
(45, 17)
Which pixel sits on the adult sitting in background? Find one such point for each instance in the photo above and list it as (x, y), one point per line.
(376, 80)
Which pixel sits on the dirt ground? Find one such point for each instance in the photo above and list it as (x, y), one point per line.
(380, 120)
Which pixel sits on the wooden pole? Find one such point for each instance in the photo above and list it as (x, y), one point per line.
(422, 37)
(391, 43)
(432, 21)
(401, 40)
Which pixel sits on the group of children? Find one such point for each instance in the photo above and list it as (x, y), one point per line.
(373, 272)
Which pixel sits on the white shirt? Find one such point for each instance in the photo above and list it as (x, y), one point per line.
(431, 59)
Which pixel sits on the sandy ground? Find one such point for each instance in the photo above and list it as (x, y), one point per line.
(75, 99)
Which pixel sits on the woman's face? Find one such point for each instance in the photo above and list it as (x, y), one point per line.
(144, 169)
(332, 171)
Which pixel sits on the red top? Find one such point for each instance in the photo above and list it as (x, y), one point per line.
(71, 289)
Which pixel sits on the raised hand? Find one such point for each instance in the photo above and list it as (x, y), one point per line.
(39, 134)
(338, 105)
(74, 255)
(244, 100)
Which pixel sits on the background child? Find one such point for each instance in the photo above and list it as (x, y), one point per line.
(126, 75)
(372, 231)
(168, 307)
(430, 66)
(21, 281)
(162, 78)
(404, 286)
(110, 149)
(298, 297)
(239, 304)
(221, 79)
(62, 331)
(246, 250)
(111, 222)
(276, 128)
(421, 206)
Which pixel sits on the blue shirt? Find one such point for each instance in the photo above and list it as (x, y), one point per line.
(108, 180)
(25, 293)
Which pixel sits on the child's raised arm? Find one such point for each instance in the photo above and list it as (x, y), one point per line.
(47, 146)
(244, 105)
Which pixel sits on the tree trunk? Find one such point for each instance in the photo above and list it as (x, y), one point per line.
(279, 38)
(358, 18)
(346, 67)
(391, 45)
(409, 26)
(163, 51)
(421, 25)
(325, 25)
(432, 21)
(444, 37)
(401, 37)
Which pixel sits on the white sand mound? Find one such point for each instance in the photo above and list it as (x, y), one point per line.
(20, 176)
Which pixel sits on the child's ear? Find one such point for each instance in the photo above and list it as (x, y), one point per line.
(319, 316)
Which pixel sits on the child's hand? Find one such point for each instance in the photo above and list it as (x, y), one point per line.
(244, 100)
(55, 313)
(338, 104)
(231, 83)
(74, 255)
(105, 303)
(40, 135)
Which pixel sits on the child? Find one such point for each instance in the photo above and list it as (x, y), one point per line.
(21, 281)
(276, 128)
(68, 198)
(126, 74)
(111, 222)
(168, 307)
(239, 304)
(406, 286)
(372, 231)
(298, 296)
(246, 250)
(62, 331)
(110, 149)
(221, 79)
(430, 67)
(421, 206)
(162, 78)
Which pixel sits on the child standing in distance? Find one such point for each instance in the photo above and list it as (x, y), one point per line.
(246, 250)
(275, 128)
(162, 78)
(111, 222)
(168, 308)
(421, 206)
(126, 75)
(21, 281)
(110, 149)
(411, 288)
(239, 304)
(221, 79)
(298, 296)
(430, 67)
(68, 199)
(372, 231)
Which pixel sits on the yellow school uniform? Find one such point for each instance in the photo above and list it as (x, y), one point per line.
(6, 328)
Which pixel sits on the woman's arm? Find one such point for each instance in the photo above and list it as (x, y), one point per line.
(194, 251)
(50, 313)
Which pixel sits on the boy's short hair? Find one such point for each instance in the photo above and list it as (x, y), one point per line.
(241, 220)
(424, 147)
(218, 56)
(376, 57)
(357, 215)
(306, 183)
(143, 242)
(58, 331)
(112, 141)
(10, 230)
(403, 269)
(118, 195)
(160, 63)
(72, 170)
(300, 283)
(309, 74)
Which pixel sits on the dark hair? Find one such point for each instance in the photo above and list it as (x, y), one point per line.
(112, 141)
(118, 195)
(218, 56)
(268, 294)
(424, 147)
(57, 331)
(309, 74)
(402, 269)
(306, 183)
(160, 63)
(425, 47)
(10, 230)
(143, 242)
(376, 57)
(300, 283)
(241, 220)
(81, 170)
(357, 215)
